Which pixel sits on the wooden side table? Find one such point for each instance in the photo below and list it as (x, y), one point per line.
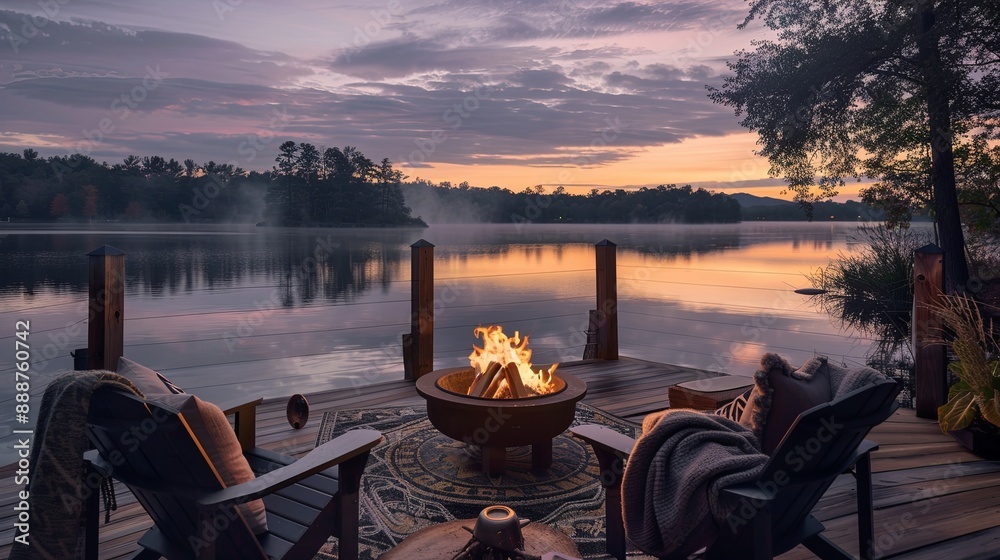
(448, 539)
(709, 393)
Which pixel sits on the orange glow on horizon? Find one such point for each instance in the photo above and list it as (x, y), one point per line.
(727, 163)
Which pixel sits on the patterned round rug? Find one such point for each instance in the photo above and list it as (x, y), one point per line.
(418, 477)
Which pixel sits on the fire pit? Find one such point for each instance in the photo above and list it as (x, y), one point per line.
(544, 408)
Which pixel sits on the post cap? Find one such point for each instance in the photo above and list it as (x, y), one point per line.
(105, 251)
(605, 243)
(421, 244)
(931, 249)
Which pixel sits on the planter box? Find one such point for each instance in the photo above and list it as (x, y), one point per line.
(983, 441)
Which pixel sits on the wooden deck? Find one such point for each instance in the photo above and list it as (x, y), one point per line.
(932, 499)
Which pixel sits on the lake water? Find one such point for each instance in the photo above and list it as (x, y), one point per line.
(231, 311)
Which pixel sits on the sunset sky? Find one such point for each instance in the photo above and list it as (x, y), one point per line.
(515, 93)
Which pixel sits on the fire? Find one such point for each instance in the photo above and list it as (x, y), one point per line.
(503, 351)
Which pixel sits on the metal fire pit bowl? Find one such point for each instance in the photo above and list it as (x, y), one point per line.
(496, 424)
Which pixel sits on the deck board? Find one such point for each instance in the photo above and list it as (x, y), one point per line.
(932, 499)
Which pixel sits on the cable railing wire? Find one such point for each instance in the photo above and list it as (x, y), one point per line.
(729, 358)
(710, 270)
(749, 343)
(710, 285)
(766, 327)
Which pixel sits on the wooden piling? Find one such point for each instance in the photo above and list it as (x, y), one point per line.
(106, 315)
(607, 301)
(421, 310)
(929, 358)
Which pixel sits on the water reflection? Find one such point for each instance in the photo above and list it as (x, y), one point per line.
(231, 312)
(338, 265)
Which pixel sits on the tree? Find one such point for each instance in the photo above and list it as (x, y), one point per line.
(307, 167)
(30, 154)
(872, 88)
(133, 211)
(60, 205)
(90, 197)
(286, 167)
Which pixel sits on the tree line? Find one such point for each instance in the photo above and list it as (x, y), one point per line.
(662, 204)
(337, 187)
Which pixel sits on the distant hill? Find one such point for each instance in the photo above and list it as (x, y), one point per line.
(747, 200)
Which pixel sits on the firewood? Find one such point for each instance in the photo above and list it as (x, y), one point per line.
(503, 392)
(513, 375)
(491, 391)
(482, 381)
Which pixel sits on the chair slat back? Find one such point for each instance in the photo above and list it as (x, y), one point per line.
(820, 445)
(154, 452)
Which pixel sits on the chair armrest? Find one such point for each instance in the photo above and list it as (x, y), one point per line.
(245, 413)
(604, 439)
(98, 463)
(238, 405)
(339, 450)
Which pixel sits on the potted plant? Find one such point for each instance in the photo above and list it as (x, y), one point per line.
(972, 413)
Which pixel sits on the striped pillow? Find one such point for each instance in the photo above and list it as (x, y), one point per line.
(734, 409)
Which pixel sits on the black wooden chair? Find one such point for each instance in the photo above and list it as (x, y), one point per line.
(780, 516)
(152, 449)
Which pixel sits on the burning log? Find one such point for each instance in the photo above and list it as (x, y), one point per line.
(483, 380)
(513, 376)
(493, 390)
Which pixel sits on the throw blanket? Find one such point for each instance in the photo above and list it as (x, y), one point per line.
(671, 486)
(56, 489)
(671, 501)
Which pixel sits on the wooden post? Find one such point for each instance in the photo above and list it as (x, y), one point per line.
(421, 309)
(106, 315)
(929, 359)
(607, 301)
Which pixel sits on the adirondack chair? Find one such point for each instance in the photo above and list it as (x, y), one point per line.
(782, 520)
(152, 449)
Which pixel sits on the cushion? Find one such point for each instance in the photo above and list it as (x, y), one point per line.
(781, 393)
(734, 409)
(151, 382)
(217, 437)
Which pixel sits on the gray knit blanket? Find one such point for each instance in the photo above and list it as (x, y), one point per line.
(672, 503)
(671, 488)
(57, 490)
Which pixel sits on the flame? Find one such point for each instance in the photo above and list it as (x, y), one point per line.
(497, 347)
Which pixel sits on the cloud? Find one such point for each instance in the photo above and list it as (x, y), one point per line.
(421, 98)
(518, 20)
(90, 48)
(404, 56)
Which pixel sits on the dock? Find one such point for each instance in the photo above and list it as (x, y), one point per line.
(932, 498)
